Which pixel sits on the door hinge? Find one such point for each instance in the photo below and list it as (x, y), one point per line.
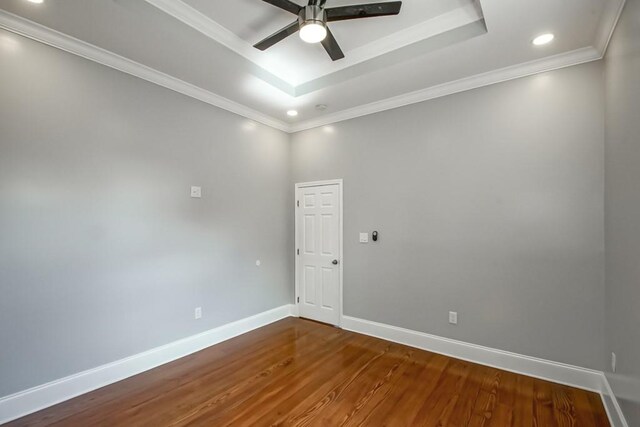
(298, 203)
(298, 299)
(297, 251)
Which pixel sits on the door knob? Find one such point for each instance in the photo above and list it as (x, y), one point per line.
(334, 262)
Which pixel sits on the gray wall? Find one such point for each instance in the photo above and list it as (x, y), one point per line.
(488, 203)
(102, 252)
(622, 208)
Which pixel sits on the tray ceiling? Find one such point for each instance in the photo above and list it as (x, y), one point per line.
(298, 62)
(203, 48)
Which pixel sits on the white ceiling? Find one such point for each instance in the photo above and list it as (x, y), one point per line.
(203, 48)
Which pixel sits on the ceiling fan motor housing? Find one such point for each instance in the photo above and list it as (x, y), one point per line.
(312, 15)
(312, 21)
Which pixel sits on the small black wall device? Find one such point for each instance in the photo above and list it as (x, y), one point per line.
(374, 236)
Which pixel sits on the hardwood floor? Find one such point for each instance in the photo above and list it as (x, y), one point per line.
(296, 372)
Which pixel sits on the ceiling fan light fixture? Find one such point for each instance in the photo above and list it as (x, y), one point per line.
(313, 18)
(313, 27)
(313, 32)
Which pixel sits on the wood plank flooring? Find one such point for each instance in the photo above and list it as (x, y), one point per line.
(300, 373)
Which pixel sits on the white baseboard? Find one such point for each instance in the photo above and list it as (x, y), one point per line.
(561, 373)
(34, 399)
(614, 411)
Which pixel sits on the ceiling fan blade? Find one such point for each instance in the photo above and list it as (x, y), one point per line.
(287, 5)
(331, 46)
(278, 36)
(372, 10)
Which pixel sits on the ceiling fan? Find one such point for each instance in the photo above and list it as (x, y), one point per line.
(312, 21)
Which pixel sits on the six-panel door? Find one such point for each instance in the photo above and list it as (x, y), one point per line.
(319, 258)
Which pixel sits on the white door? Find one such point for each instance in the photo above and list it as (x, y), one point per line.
(318, 268)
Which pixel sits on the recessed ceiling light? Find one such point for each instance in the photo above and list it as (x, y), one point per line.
(36, 1)
(543, 39)
(292, 113)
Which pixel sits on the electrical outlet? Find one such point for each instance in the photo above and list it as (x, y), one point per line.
(453, 317)
(613, 362)
(258, 263)
(196, 192)
(364, 237)
(197, 313)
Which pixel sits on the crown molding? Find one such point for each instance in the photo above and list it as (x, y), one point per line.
(32, 30)
(444, 32)
(555, 62)
(608, 23)
(195, 19)
(210, 28)
(40, 33)
(435, 26)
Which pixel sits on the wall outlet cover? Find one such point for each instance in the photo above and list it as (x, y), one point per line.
(196, 192)
(197, 314)
(364, 237)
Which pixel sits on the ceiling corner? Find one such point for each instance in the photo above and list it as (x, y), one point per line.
(608, 23)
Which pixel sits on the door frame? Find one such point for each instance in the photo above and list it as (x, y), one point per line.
(296, 257)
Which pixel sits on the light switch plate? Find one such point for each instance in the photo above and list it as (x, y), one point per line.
(453, 317)
(196, 192)
(364, 237)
